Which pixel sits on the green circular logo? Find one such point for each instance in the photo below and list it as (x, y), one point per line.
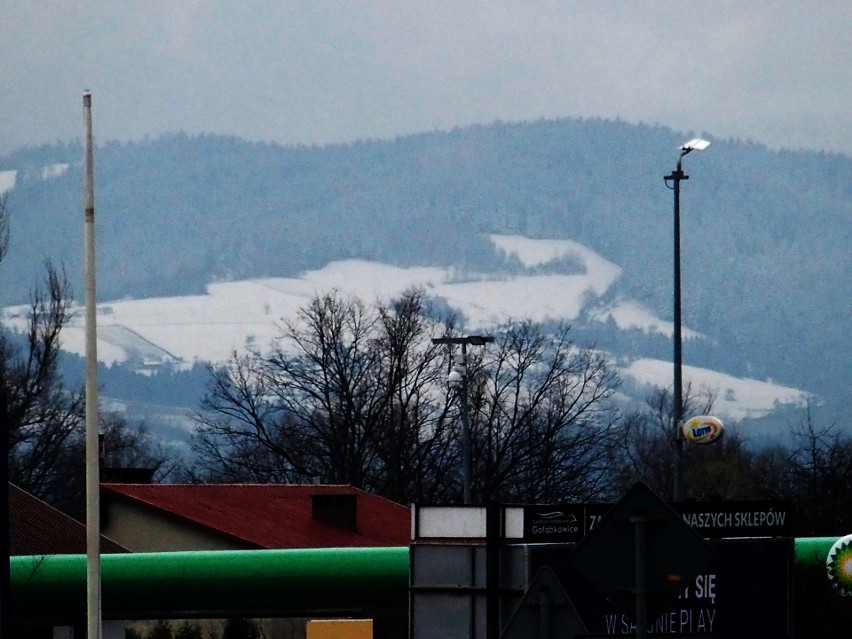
(839, 565)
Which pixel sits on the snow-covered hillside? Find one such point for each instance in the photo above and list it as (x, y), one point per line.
(233, 315)
(7, 181)
(735, 398)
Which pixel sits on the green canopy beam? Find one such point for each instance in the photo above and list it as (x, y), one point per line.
(200, 583)
(315, 582)
(812, 551)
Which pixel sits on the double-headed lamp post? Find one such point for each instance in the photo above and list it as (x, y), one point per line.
(457, 379)
(677, 409)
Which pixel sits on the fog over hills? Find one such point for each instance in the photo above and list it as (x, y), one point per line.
(565, 219)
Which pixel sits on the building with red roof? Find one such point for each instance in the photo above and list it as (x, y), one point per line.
(164, 517)
(37, 528)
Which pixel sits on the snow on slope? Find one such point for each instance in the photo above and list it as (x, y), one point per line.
(535, 252)
(7, 181)
(233, 315)
(628, 314)
(736, 398)
(54, 171)
(209, 327)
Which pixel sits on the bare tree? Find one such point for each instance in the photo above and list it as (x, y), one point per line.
(124, 445)
(324, 377)
(820, 475)
(648, 436)
(131, 445)
(43, 420)
(239, 433)
(724, 469)
(38, 418)
(346, 395)
(414, 447)
(358, 395)
(540, 418)
(814, 472)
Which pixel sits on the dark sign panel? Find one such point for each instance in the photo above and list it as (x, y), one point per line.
(569, 523)
(741, 594)
(671, 551)
(737, 518)
(561, 523)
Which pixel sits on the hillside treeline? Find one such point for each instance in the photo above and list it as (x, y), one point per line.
(765, 233)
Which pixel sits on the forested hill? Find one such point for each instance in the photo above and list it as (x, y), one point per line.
(766, 234)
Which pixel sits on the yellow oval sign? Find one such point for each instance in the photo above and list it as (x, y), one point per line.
(703, 429)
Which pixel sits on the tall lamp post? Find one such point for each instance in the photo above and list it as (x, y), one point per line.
(93, 521)
(457, 379)
(677, 410)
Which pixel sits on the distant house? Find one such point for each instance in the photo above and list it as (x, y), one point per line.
(37, 528)
(164, 517)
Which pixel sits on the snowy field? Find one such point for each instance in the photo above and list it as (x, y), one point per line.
(232, 315)
(736, 398)
(8, 179)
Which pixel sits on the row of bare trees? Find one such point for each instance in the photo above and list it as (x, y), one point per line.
(358, 395)
(355, 394)
(813, 469)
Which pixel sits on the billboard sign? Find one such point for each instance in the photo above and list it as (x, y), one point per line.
(742, 593)
(704, 429)
(570, 523)
(561, 523)
(741, 518)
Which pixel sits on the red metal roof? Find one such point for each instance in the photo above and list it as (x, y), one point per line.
(37, 528)
(273, 515)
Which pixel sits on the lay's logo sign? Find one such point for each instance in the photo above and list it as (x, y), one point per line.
(703, 429)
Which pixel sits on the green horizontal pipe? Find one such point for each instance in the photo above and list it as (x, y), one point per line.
(201, 582)
(812, 551)
(206, 583)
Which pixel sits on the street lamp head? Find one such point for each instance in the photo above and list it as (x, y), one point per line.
(696, 144)
(454, 379)
(473, 340)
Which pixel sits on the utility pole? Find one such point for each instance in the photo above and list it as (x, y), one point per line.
(93, 522)
(458, 379)
(677, 400)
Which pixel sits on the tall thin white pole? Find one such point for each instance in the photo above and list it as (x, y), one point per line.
(93, 521)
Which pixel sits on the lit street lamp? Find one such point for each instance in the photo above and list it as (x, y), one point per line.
(677, 414)
(457, 379)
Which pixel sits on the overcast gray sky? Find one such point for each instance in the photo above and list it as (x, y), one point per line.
(779, 72)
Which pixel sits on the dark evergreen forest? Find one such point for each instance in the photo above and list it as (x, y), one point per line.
(766, 234)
